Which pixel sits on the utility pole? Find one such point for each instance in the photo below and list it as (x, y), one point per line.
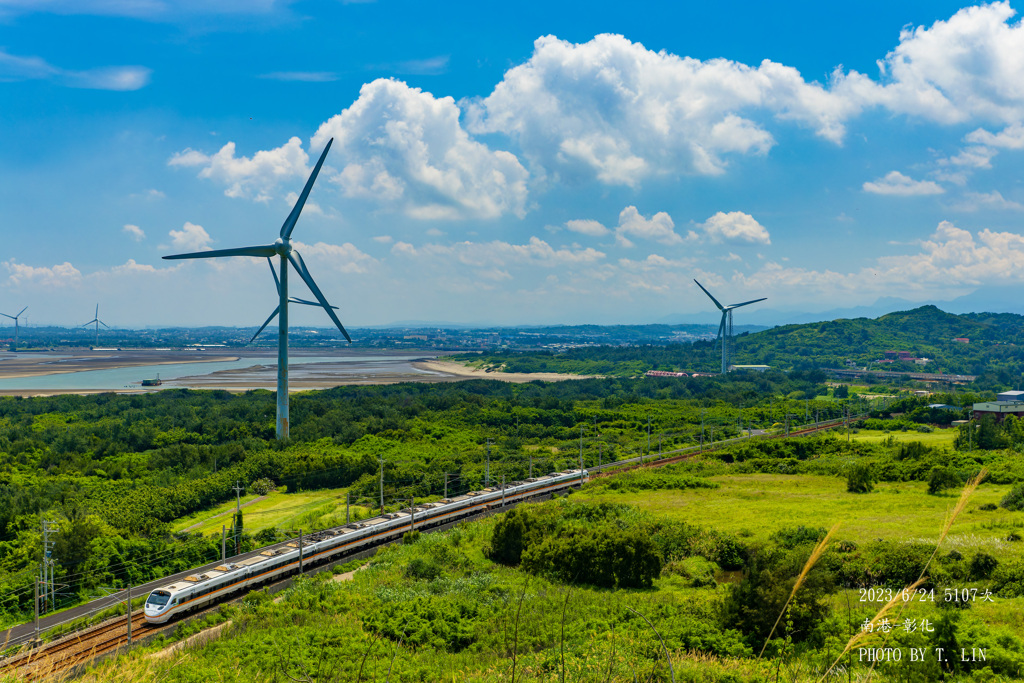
(49, 590)
(238, 509)
(128, 599)
(36, 603)
(487, 466)
(347, 519)
(223, 543)
(581, 449)
(382, 483)
(446, 485)
(648, 435)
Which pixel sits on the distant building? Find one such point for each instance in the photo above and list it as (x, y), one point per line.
(922, 361)
(1010, 396)
(943, 406)
(962, 340)
(998, 409)
(905, 355)
(665, 373)
(892, 354)
(755, 368)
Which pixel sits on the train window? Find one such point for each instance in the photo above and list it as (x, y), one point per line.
(158, 598)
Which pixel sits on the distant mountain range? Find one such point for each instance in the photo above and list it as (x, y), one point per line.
(1001, 300)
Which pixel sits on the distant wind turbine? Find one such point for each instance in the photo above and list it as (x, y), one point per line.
(282, 248)
(15, 319)
(96, 320)
(725, 328)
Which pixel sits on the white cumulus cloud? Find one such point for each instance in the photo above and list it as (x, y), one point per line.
(191, 237)
(60, 275)
(134, 231)
(895, 183)
(251, 177)
(737, 227)
(659, 228)
(626, 112)
(402, 146)
(587, 227)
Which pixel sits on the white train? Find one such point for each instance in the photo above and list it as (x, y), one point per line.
(200, 589)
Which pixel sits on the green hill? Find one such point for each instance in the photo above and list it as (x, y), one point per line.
(994, 349)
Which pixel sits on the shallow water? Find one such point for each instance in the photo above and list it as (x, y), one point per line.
(111, 379)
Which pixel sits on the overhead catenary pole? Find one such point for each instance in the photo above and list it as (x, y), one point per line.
(300, 551)
(128, 599)
(382, 483)
(36, 603)
(347, 520)
(487, 466)
(223, 543)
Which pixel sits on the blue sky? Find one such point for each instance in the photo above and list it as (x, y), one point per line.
(547, 162)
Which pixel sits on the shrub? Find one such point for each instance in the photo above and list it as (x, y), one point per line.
(982, 565)
(423, 569)
(1008, 579)
(262, 486)
(859, 479)
(1014, 500)
(988, 506)
(942, 478)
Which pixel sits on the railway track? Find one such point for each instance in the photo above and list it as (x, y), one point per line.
(689, 452)
(76, 649)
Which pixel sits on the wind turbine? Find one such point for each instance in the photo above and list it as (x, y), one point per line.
(98, 322)
(725, 328)
(15, 319)
(291, 299)
(282, 248)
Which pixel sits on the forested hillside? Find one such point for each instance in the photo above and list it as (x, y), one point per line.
(994, 351)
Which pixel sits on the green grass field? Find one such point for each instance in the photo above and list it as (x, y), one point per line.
(940, 437)
(758, 505)
(309, 510)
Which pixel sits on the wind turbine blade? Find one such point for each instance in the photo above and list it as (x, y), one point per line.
(300, 267)
(720, 306)
(277, 283)
(264, 325)
(20, 312)
(9, 316)
(267, 250)
(307, 303)
(90, 322)
(764, 298)
(721, 328)
(293, 217)
(104, 324)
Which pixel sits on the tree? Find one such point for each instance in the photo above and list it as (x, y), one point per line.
(942, 478)
(859, 479)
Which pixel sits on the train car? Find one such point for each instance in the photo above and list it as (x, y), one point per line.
(202, 588)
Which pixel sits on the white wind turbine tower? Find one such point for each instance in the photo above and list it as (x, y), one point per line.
(725, 328)
(282, 248)
(15, 319)
(96, 321)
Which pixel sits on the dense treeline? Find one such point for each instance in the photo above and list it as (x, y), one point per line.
(114, 470)
(995, 352)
